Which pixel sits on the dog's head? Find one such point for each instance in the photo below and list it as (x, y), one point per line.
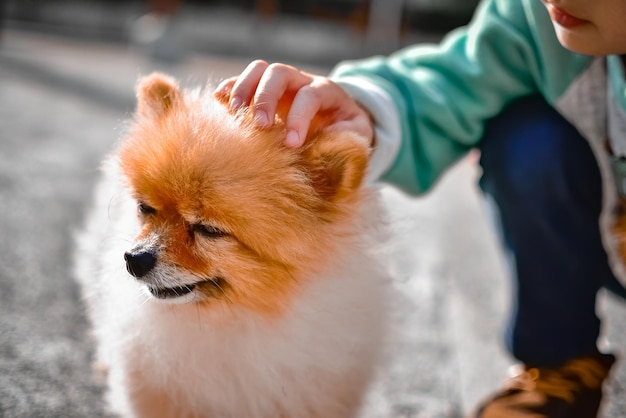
(228, 214)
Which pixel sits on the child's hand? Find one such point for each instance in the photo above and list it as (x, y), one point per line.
(264, 86)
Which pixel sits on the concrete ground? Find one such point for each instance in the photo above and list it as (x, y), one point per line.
(63, 102)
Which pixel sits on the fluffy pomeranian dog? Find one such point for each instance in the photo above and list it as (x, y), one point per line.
(227, 275)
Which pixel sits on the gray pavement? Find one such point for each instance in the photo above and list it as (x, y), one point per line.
(62, 105)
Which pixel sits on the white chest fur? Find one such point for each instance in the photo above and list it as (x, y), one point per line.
(314, 361)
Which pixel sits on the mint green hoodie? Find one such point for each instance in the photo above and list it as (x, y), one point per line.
(443, 94)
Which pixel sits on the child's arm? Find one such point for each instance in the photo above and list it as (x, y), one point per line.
(435, 100)
(445, 94)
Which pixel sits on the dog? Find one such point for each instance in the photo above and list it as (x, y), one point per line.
(226, 275)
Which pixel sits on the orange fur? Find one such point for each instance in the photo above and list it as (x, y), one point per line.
(193, 162)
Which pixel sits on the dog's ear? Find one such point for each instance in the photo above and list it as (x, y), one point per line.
(337, 162)
(156, 95)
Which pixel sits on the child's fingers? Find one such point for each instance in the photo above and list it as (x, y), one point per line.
(246, 84)
(305, 106)
(277, 79)
(222, 91)
(321, 95)
(279, 88)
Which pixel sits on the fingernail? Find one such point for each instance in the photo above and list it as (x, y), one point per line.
(261, 118)
(292, 139)
(221, 86)
(235, 103)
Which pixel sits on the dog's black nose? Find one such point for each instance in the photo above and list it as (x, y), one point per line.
(139, 263)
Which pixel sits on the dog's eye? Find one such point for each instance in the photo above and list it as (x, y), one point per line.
(208, 231)
(145, 209)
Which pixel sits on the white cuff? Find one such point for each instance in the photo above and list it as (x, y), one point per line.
(387, 128)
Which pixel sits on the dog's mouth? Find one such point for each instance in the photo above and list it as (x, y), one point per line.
(214, 287)
(171, 292)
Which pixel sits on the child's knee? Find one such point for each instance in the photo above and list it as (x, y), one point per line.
(532, 154)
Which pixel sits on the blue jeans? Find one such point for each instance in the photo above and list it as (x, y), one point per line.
(545, 184)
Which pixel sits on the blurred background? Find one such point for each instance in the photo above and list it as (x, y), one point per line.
(176, 27)
(67, 75)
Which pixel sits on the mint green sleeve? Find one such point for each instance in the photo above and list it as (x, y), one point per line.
(444, 94)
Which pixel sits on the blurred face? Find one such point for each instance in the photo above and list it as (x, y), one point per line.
(592, 27)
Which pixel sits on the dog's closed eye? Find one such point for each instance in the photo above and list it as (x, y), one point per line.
(145, 209)
(208, 231)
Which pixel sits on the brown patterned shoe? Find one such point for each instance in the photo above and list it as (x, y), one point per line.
(573, 390)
